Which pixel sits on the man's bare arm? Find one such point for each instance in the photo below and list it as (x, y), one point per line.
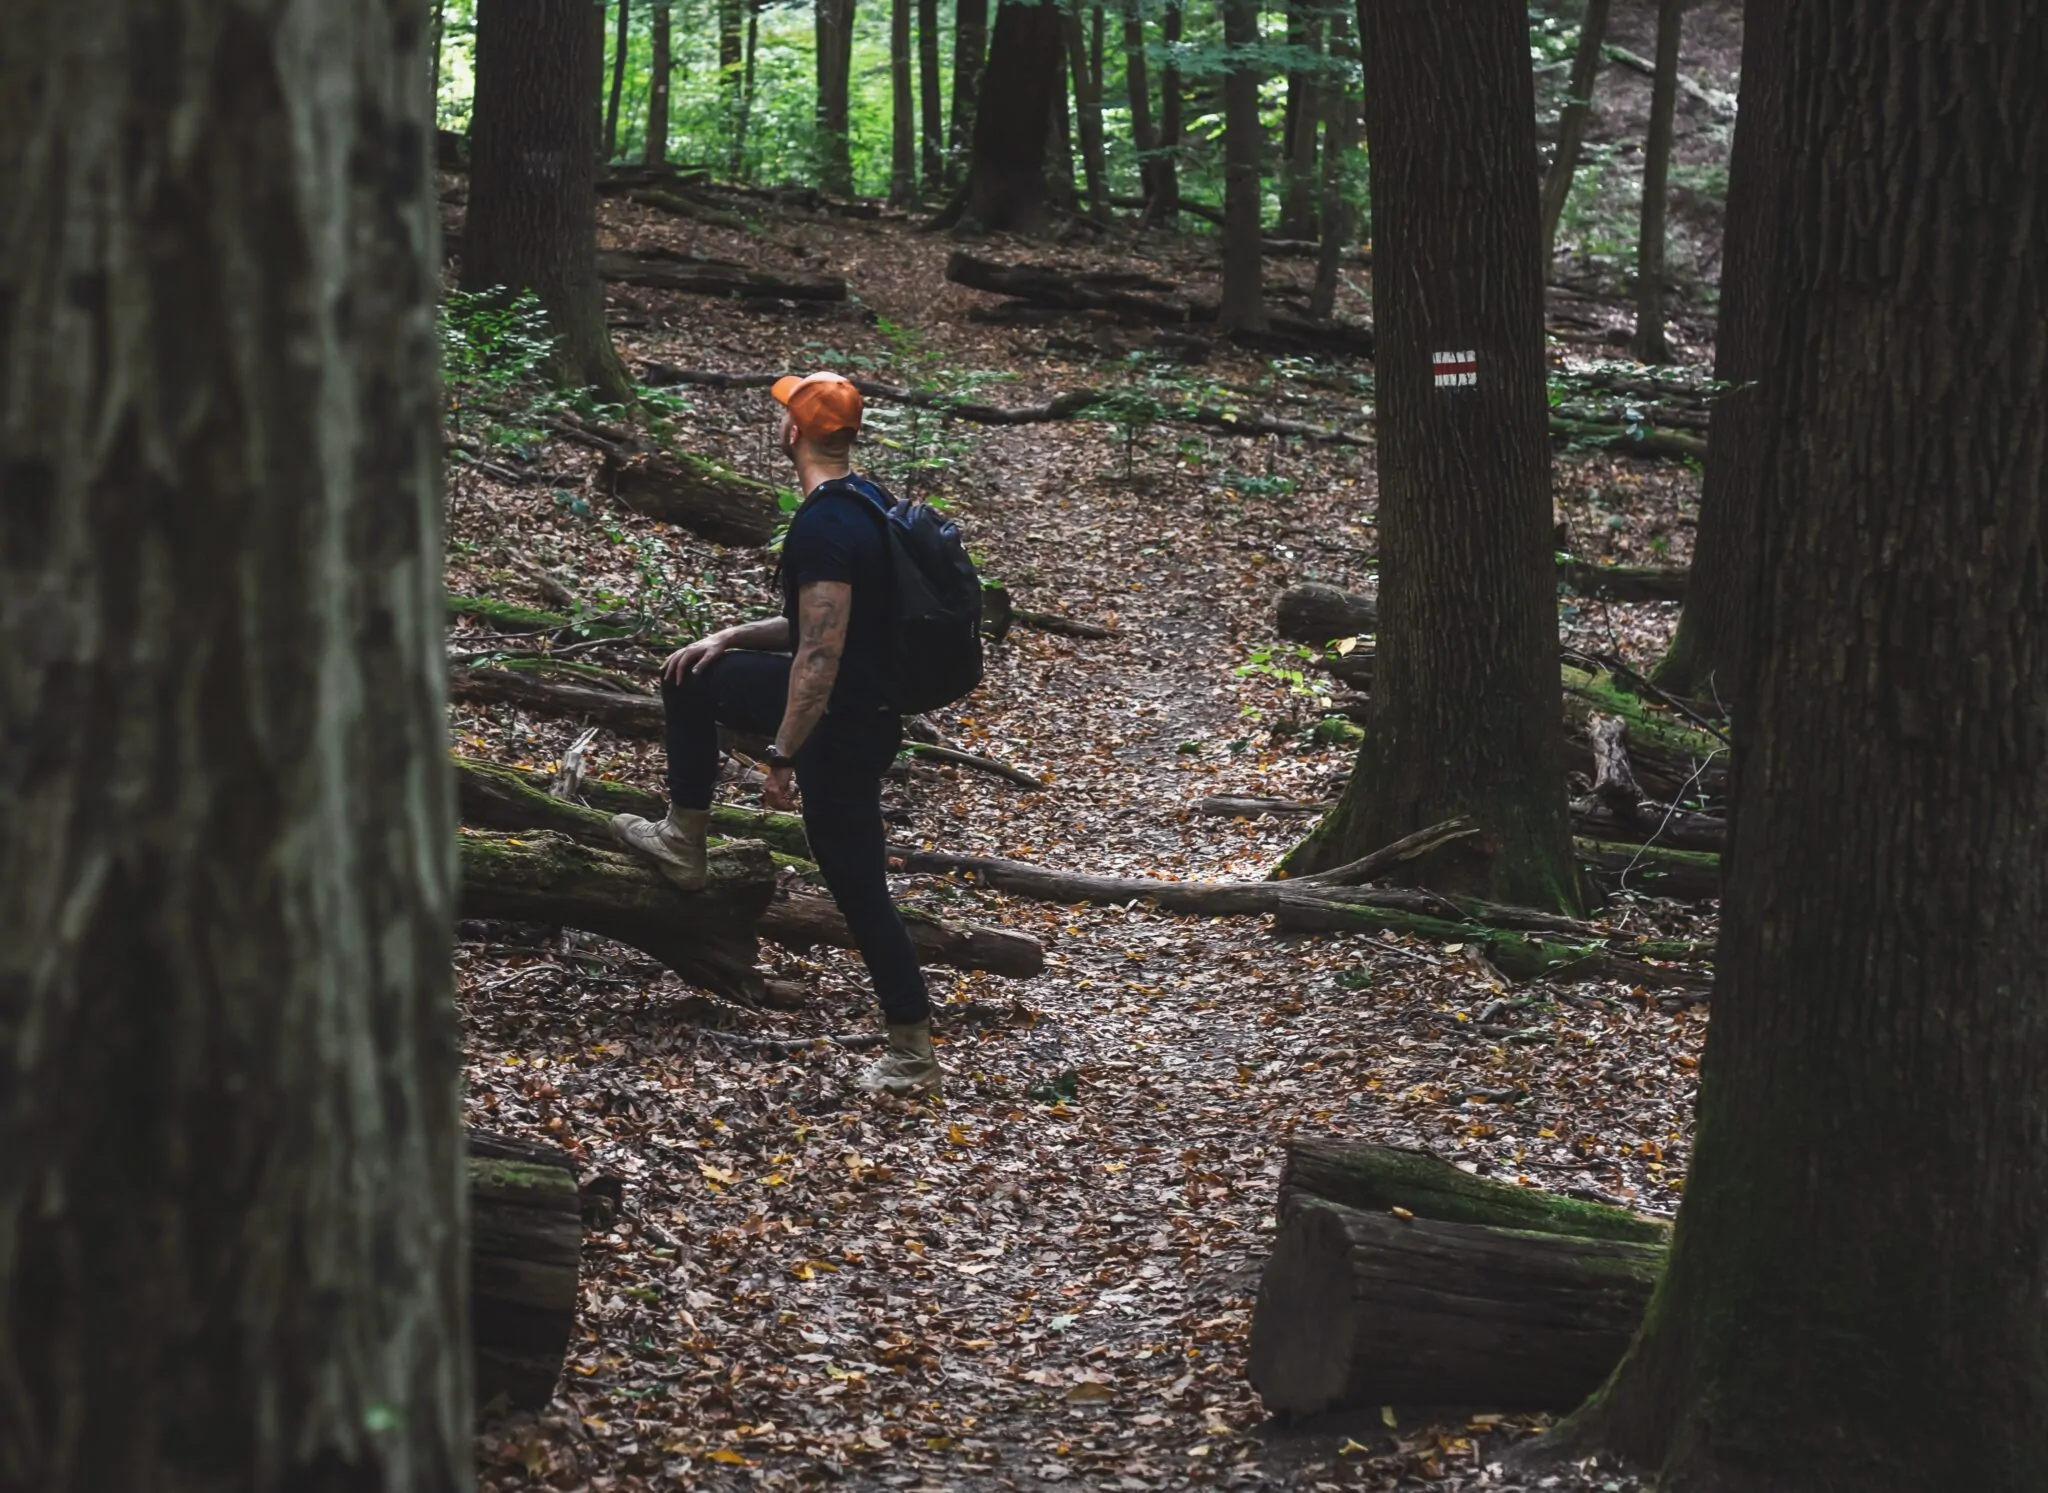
(822, 611)
(770, 634)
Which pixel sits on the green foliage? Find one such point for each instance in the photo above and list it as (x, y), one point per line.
(494, 346)
(1293, 668)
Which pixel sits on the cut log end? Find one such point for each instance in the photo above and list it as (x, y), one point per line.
(1304, 1326)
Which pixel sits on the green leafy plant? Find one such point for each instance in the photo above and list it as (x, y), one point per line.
(494, 345)
(1293, 668)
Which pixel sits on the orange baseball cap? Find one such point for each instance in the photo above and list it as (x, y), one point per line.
(823, 404)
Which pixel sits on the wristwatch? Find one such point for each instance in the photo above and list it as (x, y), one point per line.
(774, 757)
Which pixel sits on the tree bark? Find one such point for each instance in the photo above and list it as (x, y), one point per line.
(694, 493)
(611, 112)
(738, 161)
(231, 1214)
(932, 108)
(1885, 931)
(1164, 210)
(660, 76)
(1006, 177)
(1571, 123)
(970, 46)
(1060, 193)
(1466, 686)
(1305, 87)
(1651, 346)
(1087, 112)
(525, 1252)
(902, 108)
(1338, 111)
(1315, 613)
(835, 66)
(1710, 654)
(1138, 88)
(1243, 306)
(532, 222)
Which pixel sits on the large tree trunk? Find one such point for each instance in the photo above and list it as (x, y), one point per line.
(1710, 655)
(231, 1217)
(1243, 307)
(532, 221)
(1650, 340)
(970, 46)
(1466, 691)
(1571, 123)
(1885, 932)
(1305, 87)
(835, 69)
(620, 38)
(902, 108)
(1164, 211)
(1087, 112)
(931, 103)
(1138, 89)
(1006, 178)
(654, 151)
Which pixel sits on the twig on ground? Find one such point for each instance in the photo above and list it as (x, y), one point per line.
(850, 1041)
(958, 758)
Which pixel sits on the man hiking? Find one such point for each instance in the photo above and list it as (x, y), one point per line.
(827, 707)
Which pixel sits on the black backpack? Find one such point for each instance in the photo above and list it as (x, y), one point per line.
(935, 647)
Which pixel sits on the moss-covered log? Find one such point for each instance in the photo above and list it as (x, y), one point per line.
(1628, 440)
(661, 269)
(1375, 1179)
(695, 493)
(1654, 870)
(525, 1247)
(1623, 582)
(1674, 761)
(1362, 1309)
(546, 877)
(802, 920)
(510, 798)
(636, 716)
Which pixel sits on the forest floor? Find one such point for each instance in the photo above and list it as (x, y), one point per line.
(1046, 1279)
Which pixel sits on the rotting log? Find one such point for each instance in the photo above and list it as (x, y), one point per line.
(525, 1248)
(658, 269)
(638, 717)
(1357, 1310)
(1376, 1178)
(513, 799)
(802, 920)
(1649, 823)
(695, 493)
(1315, 613)
(546, 877)
(1653, 870)
(1623, 582)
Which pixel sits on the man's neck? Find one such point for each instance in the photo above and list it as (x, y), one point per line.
(815, 474)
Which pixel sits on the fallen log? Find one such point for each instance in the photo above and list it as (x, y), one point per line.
(697, 494)
(954, 758)
(1363, 1309)
(546, 877)
(1721, 105)
(1653, 870)
(1623, 582)
(1627, 438)
(636, 716)
(663, 269)
(525, 1248)
(1376, 1179)
(1255, 808)
(1651, 823)
(1315, 613)
(802, 920)
(506, 799)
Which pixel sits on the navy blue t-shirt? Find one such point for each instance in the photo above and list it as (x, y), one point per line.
(833, 539)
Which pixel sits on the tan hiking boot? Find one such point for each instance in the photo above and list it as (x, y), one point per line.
(676, 844)
(909, 1069)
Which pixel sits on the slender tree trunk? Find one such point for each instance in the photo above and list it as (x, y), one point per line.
(532, 221)
(733, 16)
(1885, 930)
(745, 121)
(1571, 124)
(1059, 137)
(611, 113)
(1097, 41)
(1087, 113)
(970, 46)
(1465, 688)
(655, 152)
(903, 108)
(1165, 209)
(232, 1210)
(933, 108)
(1338, 113)
(1243, 303)
(440, 35)
(1710, 655)
(1650, 343)
(835, 65)
(1297, 206)
(1138, 86)
(1019, 92)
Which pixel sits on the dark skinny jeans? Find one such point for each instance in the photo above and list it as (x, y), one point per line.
(839, 773)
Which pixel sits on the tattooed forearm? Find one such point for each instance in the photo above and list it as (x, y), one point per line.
(822, 611)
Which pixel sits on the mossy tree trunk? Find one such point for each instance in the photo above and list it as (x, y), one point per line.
(1855, 1292)
(1709, 657)
(231, 1212)
(1466, 694)
(532, 221)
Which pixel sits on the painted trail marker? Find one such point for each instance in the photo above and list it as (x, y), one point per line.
(1455, 370)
